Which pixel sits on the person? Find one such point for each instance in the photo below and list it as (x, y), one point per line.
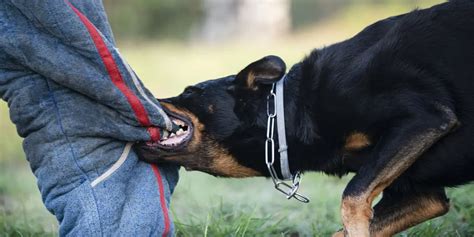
(80, 108)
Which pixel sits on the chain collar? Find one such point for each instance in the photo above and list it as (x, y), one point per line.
(275, 108)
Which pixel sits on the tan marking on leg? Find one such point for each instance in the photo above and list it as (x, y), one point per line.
(356, 141)
(338, 234)
(357, 211)
(356, 215)
(404, 217)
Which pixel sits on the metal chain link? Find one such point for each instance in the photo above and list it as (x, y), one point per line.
(290, 190)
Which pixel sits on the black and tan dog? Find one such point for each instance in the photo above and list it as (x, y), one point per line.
(394, 104)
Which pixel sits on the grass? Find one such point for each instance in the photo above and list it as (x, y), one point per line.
(252, 208)
(203, 205)
(206, 206)
(21, 210)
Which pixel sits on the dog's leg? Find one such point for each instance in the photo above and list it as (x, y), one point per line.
(393, 154)
(398, 212)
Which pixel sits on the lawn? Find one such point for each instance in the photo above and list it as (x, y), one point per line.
(203, 205)
(206, 206)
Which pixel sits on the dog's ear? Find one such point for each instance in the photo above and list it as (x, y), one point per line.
(267, 70)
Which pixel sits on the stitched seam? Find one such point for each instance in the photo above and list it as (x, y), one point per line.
(73, 154)
(139, 87)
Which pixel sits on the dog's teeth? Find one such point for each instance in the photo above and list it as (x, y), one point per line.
(179, 132)
(165, 134)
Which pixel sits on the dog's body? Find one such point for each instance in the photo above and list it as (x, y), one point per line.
(394, 104)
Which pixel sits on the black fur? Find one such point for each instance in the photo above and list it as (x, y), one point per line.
(387, 82)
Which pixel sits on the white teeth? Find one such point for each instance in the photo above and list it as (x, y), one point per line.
(173, 139)
(165, 134)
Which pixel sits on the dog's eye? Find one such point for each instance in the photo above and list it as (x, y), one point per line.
(191, 90)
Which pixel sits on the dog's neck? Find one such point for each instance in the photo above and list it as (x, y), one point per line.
(307, 151)
(300, 124)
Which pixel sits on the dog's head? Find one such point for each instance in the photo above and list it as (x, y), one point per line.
(223, 123)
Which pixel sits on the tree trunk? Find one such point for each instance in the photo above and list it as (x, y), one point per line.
(256, 20)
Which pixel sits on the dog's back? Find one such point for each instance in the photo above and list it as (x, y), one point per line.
(440, 41)
(435, 47)
(394, 104)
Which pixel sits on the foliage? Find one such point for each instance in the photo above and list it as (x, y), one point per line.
(178, 19)
(153, 19)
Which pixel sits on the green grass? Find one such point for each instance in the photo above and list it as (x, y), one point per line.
(21, 210)
(203, 205)
(251, 207)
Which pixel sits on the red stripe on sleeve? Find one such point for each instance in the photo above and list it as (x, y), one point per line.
(164, 208)
(154, 133)
(137, 106)
(112, 69)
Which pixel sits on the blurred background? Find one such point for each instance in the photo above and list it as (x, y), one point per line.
(172, 44)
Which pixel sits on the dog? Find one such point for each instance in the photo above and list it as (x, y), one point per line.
(394, 105)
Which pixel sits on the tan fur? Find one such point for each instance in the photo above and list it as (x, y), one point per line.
(411, 214)
(251, 80)
(405, 216)
(338, 234)
(356, 211)
(205, 154)
(227, 166)
(356, 214)
(356, 141)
